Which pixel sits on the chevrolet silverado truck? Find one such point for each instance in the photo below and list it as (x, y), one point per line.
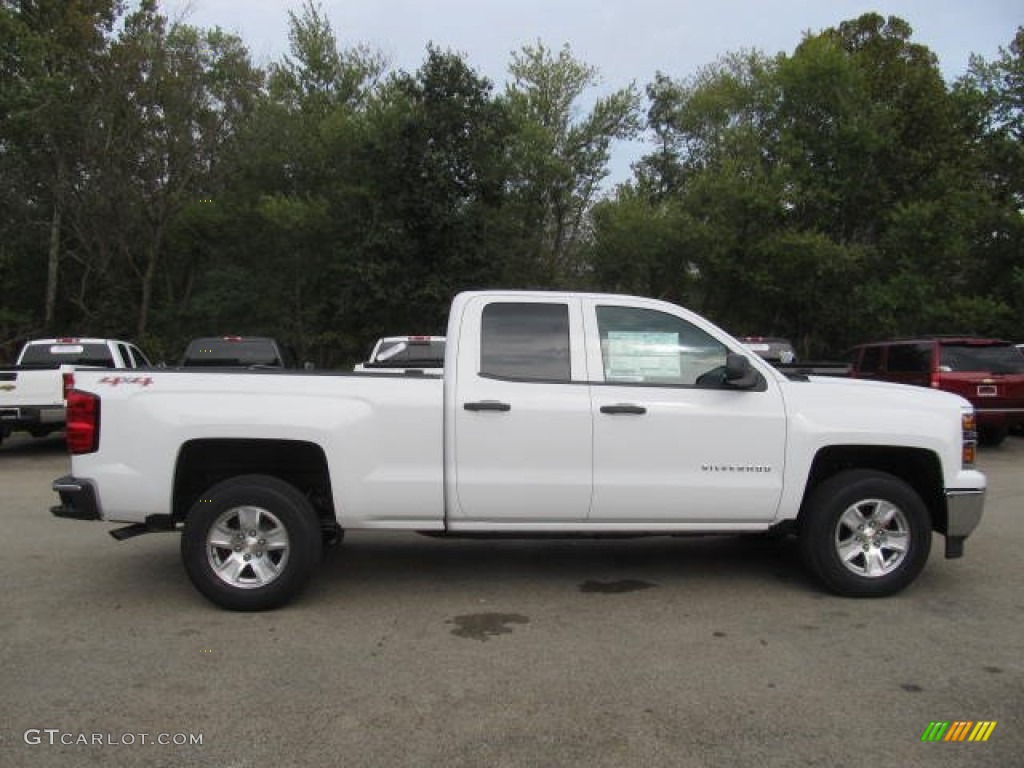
(32, 393)
(556, 414)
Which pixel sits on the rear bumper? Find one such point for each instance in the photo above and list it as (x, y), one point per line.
(25, 416)
(77, 499)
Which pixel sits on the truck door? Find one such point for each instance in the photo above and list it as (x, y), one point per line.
(520, 452)
(673, 443)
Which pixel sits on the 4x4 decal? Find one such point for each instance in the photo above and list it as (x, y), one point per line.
(114, 381)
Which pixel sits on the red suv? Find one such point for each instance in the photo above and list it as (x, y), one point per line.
(988, 372)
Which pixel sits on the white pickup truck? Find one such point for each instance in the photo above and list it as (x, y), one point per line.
(405, 355)
(32, 393)
(557, 413)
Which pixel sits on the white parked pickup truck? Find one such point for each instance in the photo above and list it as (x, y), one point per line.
(406, 355)
(32, 393)
(556, 413)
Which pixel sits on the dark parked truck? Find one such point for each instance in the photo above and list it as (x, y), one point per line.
(236, 352)
(556, 414)
(987, 372)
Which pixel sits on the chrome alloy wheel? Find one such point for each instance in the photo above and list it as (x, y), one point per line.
(872, 538)
(247, 547)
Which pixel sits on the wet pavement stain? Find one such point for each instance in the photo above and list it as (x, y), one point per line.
(911, 688)
(615, 587)
(481, 626)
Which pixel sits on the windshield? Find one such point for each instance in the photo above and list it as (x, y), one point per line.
(993, 358)
(54, 355)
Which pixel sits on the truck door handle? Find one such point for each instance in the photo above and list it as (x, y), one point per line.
(487, 405)
(635, 410)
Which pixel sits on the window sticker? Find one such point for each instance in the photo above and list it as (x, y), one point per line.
(66, 349)
(638, 356)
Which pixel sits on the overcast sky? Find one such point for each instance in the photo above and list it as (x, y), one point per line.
(627, 40)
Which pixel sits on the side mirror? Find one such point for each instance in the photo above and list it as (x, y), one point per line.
(739, 373)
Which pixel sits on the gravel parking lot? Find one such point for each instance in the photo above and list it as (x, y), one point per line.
(408, 651)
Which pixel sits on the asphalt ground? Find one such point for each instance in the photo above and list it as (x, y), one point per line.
(409, 651)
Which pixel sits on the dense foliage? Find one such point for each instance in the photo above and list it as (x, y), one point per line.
(158, 185)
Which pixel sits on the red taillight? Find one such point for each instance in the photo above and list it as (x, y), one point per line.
(83, 422)
(69, 383)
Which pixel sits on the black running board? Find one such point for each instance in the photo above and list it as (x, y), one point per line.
(153, 524)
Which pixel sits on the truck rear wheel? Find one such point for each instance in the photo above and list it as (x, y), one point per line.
(865, 534)
(251, 543)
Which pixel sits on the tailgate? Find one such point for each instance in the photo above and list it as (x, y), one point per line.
(988, 372)
(988, 392)
(24, 388)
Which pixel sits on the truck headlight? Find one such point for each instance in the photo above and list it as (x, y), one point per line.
(969, 428)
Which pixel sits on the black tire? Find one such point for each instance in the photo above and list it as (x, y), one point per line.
(992, 436)
(881, 558)
(256, 569)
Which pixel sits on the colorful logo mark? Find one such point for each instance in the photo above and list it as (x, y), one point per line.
(959, 730)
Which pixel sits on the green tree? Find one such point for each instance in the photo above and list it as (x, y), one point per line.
(559, 158)
(835, 188)
(51, 55)
(992, 98)
(437, 164)
(296, 209)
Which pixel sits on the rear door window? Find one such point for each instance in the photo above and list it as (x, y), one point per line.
(527, 341)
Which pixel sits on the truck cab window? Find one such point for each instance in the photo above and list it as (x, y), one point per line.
(528, 341)
(644, 346)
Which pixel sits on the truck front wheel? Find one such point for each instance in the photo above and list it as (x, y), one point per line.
(251, 543)
(865, 533)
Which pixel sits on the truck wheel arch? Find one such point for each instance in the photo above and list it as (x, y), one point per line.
(203, 463)
(919, 468)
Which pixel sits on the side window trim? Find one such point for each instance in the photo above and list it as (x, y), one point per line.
(140, 359)
(125, 355)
